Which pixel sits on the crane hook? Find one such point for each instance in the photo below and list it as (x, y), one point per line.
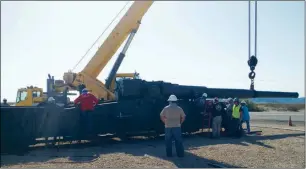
(252, 62)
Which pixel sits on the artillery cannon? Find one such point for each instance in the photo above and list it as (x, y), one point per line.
(136, 110)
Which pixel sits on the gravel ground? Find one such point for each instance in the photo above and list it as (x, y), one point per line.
(299, 126)
(275, 148)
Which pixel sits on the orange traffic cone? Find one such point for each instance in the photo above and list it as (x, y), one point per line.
(290, 122)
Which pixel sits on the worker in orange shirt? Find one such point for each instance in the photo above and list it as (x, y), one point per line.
(86, 102)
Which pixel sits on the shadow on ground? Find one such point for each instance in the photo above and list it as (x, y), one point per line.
(91, 151)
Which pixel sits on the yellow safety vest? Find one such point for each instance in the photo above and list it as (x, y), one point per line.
(236, 112)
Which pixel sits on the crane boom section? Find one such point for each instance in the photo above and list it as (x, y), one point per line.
(128, 22)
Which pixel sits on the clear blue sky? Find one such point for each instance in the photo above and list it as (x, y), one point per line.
(192, 43)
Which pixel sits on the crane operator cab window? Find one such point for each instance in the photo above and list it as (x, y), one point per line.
(120, 79)
(21, 95)
(36, 94)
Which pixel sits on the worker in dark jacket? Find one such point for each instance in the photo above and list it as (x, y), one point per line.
(229, 107)
(217, 111)
(228, 115)
(4, 103)
(200, 102)
(86, 102)
(51, 120)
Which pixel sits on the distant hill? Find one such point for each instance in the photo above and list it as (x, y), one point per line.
(279, 100)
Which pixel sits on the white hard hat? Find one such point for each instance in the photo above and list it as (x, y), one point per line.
(243, 102)
(172, 98)
(51, 99)
(204, 95)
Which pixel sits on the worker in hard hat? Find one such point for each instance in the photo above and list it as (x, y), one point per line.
(200, 102)
(228, 116)
(217, 111)
(236, 119)
(173, 116)
(204, 96)
(5, 102)
(51, 120)
(86, 102)
(245, 116)
(51, 100)
(229, 107)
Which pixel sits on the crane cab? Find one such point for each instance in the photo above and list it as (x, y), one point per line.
(30, 96)
(121, 76)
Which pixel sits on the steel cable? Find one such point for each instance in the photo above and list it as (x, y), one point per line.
(101, 35)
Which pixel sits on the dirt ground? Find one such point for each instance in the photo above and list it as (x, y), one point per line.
(275, 148)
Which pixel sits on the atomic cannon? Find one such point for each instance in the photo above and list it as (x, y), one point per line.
(135, 112)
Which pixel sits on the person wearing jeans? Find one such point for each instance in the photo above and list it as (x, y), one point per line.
(173, 116)
(217, 111)
(174, 133)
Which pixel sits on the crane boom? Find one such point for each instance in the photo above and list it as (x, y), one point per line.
(128, 22)
(88, 76)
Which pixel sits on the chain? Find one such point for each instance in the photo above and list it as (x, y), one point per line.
(252, 84)
(101, 35)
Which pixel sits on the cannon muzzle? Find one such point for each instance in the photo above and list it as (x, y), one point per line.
(244, 93)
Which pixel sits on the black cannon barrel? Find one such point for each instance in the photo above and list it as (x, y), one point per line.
(267, 94)
(243, 93)
(138, 88)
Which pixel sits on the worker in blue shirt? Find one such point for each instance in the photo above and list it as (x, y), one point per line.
(245, 116)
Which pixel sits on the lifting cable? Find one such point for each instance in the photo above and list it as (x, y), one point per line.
(252, 60)
(101, 35)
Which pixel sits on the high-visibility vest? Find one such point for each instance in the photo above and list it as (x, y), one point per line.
(236, 112)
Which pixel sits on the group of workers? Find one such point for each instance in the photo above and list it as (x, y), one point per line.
(86, 103)
(234, 113)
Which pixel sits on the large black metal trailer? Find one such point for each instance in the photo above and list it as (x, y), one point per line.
(136, 110)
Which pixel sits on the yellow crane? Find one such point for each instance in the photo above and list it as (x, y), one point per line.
(128, 25)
